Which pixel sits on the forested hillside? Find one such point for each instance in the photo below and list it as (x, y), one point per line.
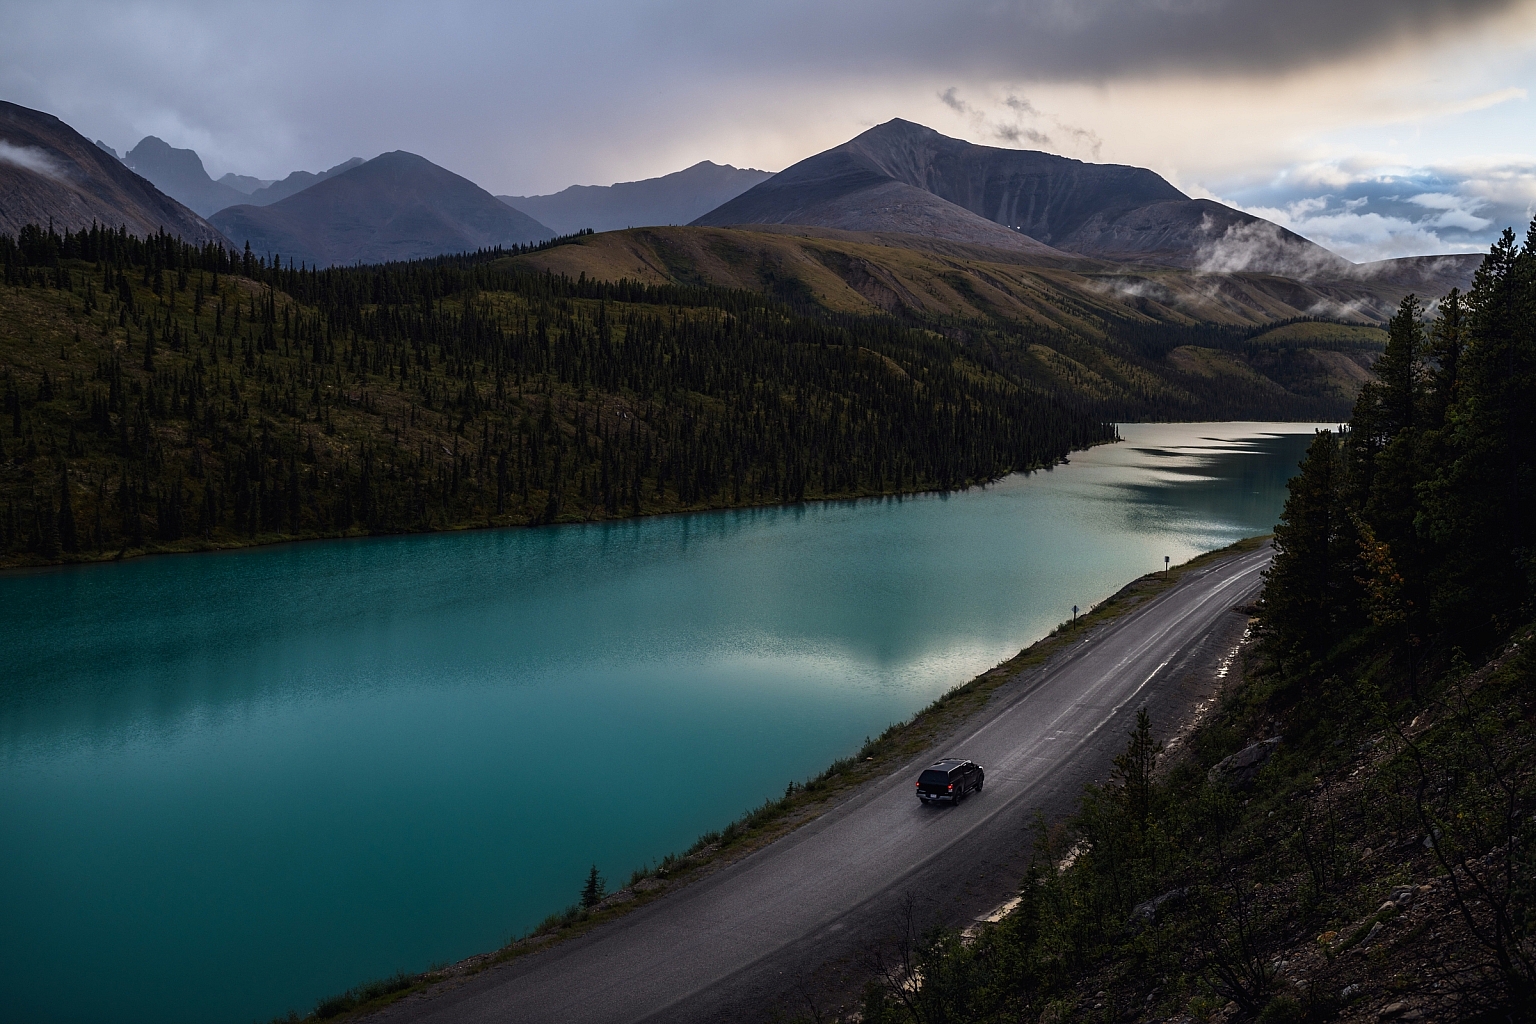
(1348, 835)
(160, 396)
(1139, 342)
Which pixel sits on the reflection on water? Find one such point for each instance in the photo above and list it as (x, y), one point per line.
(233, 783)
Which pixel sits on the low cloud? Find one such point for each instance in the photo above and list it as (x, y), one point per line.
(1261, 247)
(30, 158)
(1333, 309)
(1121, 287)
(1365, 213)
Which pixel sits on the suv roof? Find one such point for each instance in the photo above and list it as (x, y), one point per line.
(949, 762)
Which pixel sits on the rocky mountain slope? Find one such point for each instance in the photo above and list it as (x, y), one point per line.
(1109, 211)
(397, 206)
(180, 173)
(50, 172)
(675, 198)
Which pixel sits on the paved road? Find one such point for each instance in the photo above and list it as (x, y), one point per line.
(771, 929)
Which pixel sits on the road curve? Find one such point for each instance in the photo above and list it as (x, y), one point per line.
(762, 932)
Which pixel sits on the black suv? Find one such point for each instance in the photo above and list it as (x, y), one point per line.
(949, 779)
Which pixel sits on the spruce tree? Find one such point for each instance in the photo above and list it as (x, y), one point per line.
(1311, 577)
(594, 890)
(1477, 506)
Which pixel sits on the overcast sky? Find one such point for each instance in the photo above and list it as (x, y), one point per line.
(1377, 127)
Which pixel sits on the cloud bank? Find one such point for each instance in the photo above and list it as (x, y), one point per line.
(1365, 213)
(525, 98)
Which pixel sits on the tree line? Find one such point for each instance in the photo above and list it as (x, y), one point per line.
(165, 395)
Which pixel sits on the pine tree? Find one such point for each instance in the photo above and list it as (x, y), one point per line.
(1310, 582)
(1477, 506)
(594, 890)
(1133, 771)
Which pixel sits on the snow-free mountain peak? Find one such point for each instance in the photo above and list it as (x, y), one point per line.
(1111, 211)
(397, 206)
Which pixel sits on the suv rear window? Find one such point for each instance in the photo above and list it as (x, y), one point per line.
(933, 778)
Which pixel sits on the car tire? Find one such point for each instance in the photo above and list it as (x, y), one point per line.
(979, 784)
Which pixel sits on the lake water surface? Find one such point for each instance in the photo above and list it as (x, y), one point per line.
(231, 784)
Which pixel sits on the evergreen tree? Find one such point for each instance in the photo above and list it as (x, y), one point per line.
(1133, 771)
(1477, 505)
(1311, 580)
(593, 891)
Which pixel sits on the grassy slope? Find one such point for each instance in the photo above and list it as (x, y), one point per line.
(1070, 312)
(860, 272)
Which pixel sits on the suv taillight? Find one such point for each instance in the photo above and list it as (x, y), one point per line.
(951, 787)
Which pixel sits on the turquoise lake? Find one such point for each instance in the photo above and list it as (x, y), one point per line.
(231, 784)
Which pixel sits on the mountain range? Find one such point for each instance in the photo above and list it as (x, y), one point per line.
(397, 206)
(51, 173)
(675, 198)
(900, 173)
(900, 217)
(179, 173)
